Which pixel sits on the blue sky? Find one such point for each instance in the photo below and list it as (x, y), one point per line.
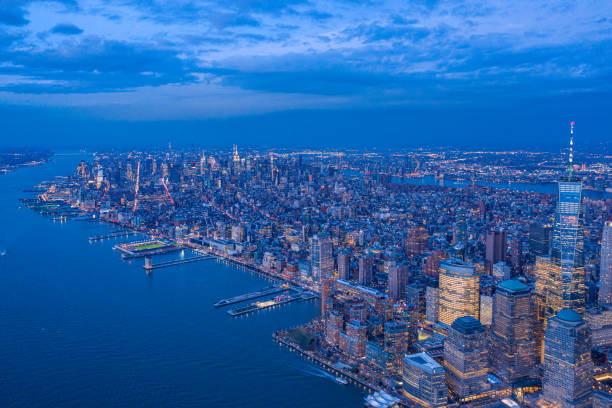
(330, 72)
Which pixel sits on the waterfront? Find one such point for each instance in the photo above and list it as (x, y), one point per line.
(79, 326)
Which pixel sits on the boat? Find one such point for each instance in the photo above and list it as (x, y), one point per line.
(341, 380)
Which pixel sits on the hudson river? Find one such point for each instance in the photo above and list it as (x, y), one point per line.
(79, 327)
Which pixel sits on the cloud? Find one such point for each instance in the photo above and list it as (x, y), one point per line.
(66, 29)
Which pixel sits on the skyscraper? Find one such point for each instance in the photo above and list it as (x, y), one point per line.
(396, 342)
(605, 269)
(513, 345)
(365, 271)
(459, 291)
(343, 265)
(416, 240)
(322, 261)
(432, 300)
(465, 357)
(568, 369)
(540, 237)
(398, 278)
(424, 380)
(496, 243)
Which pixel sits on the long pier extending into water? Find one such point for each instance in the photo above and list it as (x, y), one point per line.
(116, 234)
(149, 266)
(269, 304)
(248, 296)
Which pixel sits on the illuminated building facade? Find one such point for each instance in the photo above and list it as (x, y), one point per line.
(567, 258)
(424, 380)
(397, 279)
(513, 347)
(568, 369)
(466, 358)
(365, 271)
(459, 291)
(396, 343)
(605, 269)
(322, 260)
(344, 265)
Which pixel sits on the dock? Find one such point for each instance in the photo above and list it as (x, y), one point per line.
(113, 235)
(267, 305)
(150, 266)
(248, 296)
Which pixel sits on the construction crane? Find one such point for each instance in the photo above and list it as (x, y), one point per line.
(136, 188)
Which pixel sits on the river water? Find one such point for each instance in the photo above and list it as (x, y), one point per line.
(80, 327)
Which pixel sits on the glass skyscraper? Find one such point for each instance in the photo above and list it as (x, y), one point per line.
(513, 346)
(605, 270)
(459, 291)
(567, 288)
(568, 369)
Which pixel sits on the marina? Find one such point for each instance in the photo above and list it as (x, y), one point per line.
(116, 234)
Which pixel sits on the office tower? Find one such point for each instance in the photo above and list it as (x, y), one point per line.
(568, 369)
(516, 256)
(397, 279)
(432, 300)
(540, 238)
(605, 268)
(415, 295)
(460, 232)
(567, 288)
(465, 357)
(417, 239)
(459, 291)
(396, 336)
(365, 271)
(486, 310)
(513, 344)
(343, 265)
(424, 380)
(600, 323)
(237, 233)
(322, 261)
(496, 242)
(431, 264)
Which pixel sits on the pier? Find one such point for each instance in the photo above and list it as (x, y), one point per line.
(149, 265)
(269, 304)
(113, 235)
(248, 296)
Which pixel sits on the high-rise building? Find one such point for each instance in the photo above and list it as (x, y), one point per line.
(466, 358)
(417, 239)
(344, 265)
(415, 295)
(397, 279)
(605, 269)
(424, 380)
(459, 291)
(396, 336)
(365, 271)
(540, 238)
(516, 256)
(486, 310)
(513, 344)
(431, 264)
(326, 295)
(567, 288)
(496, 243)
(568, 369)
(322, 261)
(460, 232)
(432, 300)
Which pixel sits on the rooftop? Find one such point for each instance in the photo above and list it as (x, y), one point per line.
(513, 285)
(467, 325)
(423, 361)
(569, 315)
